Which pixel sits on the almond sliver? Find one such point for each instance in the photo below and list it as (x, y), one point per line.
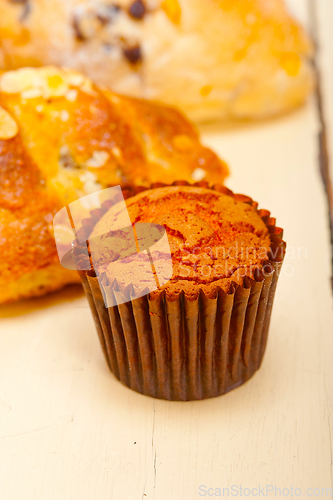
(14, 82)
(8, 126)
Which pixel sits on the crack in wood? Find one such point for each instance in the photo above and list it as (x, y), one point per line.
(324, 159)
(153, 456)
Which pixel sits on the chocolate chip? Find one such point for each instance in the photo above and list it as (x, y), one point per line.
(137, 10)
(87, 23)
(26, 11)
(107, 13)
(133, 54)
(77, 29)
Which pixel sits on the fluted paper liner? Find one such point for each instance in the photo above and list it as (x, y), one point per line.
(187, 349)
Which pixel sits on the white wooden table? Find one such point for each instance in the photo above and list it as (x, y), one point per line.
(70, 431)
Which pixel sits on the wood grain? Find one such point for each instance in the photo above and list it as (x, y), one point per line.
(322, 41)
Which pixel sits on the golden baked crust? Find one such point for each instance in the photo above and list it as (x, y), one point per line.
(61, 138)
(212, 58)
(214, 238)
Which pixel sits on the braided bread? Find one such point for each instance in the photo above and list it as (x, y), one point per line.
(61, 138)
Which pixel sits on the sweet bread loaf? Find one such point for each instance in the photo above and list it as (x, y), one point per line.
(211, 58)
(62, 137)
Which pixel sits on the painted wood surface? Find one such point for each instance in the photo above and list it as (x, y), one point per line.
(69, 430)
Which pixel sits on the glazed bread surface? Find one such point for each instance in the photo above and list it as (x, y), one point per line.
(211, 58)
(61, 138)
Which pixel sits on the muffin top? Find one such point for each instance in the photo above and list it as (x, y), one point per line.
(213, 238)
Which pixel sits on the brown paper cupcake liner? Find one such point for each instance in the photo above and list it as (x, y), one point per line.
(186, 349)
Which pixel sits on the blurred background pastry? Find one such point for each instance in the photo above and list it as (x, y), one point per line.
(62, 138)
(212, 59)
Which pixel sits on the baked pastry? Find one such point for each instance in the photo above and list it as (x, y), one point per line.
(213, 59)
(61, 138)
(202, 330)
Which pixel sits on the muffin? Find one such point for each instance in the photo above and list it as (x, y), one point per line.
(201, 331)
